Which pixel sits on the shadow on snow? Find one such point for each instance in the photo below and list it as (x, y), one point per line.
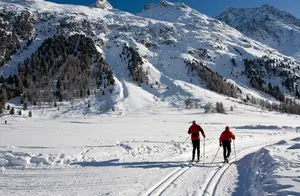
(143, 165)
(256, 177)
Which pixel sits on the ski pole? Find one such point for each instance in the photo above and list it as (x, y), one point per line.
(204, 152)
(216, 154)
(186, 139)
(234, 151)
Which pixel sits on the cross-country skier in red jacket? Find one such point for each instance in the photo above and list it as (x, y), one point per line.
(195, 137)
(225, 140)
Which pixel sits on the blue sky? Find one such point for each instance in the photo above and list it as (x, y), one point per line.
(208, 7)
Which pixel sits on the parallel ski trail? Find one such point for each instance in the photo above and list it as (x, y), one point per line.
(166, 182)
(158, 188)
(211, 184)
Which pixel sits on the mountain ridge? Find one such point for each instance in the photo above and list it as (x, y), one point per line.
(267, 24)
(162, 55)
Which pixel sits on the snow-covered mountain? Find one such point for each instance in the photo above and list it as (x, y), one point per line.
(164, 55)
(266, 24)
(102, 4)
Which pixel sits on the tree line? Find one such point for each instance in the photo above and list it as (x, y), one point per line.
(258, 69)
(212, 80)
(135, 63)
(63, 68)
(14, 27)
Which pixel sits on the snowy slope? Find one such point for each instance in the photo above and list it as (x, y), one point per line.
(266, 24)
(165, 35)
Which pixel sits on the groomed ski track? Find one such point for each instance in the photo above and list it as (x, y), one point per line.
(211, 184)
(212, 180)
(165, 183)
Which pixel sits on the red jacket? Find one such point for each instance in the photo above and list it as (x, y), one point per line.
(194, 131)
(227, 135)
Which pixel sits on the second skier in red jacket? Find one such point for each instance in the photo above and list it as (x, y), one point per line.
(225, 140)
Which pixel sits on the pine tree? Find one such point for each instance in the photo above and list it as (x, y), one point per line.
(208, 107)
(30, 114)
(20, 112)
(22, 100)
(2, 79)
(270, 87)
(222, 109)
(12, 111)
(25, 106)
(218, 107)
(233, 62)
(3, 97)
(297, 93)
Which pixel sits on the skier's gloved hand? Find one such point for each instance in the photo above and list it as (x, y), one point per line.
(220, 145)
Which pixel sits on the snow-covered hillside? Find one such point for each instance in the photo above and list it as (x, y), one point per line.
(269, 25)
(170, 38)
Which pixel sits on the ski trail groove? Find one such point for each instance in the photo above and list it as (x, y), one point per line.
(211, 184)
(166, 182)
(160, 187)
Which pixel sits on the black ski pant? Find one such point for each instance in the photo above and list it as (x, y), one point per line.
(226, 148)
(196, 145)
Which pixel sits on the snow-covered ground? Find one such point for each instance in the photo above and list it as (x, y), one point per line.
(136, 145)
(143, 154)
(273, 170)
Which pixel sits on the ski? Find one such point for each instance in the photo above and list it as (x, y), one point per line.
(192, 163)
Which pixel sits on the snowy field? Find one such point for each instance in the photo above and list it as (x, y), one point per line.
(144, 154)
